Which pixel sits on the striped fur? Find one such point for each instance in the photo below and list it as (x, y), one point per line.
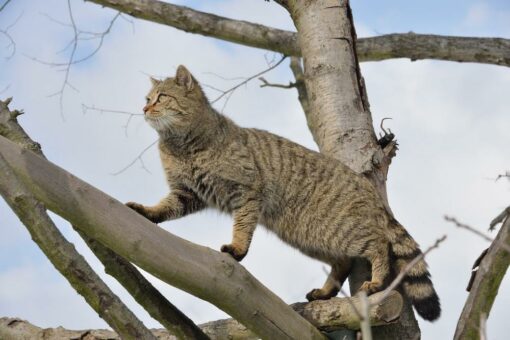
(314, 203)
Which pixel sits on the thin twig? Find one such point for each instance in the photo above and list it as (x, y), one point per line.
(475, 231)
(229, 92)
(382, 126)
(407, 268)
(138, 158)
(78, 36)
(5, 32)
(4, 4)
(282, 86)
(5, 89)
(505, 175)
(85, 108)
(366, 330)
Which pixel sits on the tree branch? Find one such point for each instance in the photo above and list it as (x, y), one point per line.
(328, 315)
(207, 274)
(127, 275)
(66, 259)
(490, 273)
(407, 45)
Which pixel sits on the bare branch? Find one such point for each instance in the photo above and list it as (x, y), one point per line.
(78, 36)
(505, 175)
(484, 289)
(327, 315)
(4, 5)
(477, 232)
(5, 32)
(231, 90)
(366, 330)
(130, 115)
(501, 218)
(125, 273)
(265, 83)
(406, 45)
(59, 251)
(138, 158)
(398, 279)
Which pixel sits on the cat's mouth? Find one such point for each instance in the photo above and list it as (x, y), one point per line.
(153, 114)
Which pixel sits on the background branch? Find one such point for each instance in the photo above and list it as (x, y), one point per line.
(328, 315)
(123, 271)
(407, 45)
(490, 273)
(60, 252)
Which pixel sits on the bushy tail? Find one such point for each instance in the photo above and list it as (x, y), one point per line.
(417, 284)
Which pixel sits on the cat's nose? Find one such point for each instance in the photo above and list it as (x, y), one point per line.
(145, 109)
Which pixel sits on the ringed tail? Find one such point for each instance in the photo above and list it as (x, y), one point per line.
(416, 284)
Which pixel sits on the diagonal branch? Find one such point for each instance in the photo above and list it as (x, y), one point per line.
(203, 272)
(407, 45)
(64, 256)
(490, 273)
(127, 275)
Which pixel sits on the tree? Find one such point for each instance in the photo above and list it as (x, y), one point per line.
(342, 124)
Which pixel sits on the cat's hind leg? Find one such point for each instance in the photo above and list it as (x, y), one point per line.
(340, 270)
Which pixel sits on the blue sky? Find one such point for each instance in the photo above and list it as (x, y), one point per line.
(451, 121)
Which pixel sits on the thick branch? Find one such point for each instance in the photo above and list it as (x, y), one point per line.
(327, 315)
(485, 286)
(203, 272)
(66, 259)
(127, 275)
(409, 45)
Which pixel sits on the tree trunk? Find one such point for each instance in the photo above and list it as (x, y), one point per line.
(339, 115)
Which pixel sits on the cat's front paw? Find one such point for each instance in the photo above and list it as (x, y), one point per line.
(320, 294)
(236, 253)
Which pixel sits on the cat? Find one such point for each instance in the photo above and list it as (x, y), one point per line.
(312, 202)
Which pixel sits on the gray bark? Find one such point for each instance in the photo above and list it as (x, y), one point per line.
(485, 286)
(408, 45)
(339, 115)
(203, 272)
(127, 275)
(334, 314)
(66, 259)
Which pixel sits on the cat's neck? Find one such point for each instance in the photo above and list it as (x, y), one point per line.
(210, 131)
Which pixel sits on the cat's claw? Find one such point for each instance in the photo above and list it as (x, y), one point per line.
(233, 251)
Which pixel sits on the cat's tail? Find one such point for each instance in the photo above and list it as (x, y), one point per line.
(416, 284)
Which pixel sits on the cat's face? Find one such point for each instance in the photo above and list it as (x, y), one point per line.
(174, 103)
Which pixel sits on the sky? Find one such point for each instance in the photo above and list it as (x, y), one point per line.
(451, 121)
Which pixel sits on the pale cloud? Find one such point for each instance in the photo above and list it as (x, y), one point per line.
(450, 119)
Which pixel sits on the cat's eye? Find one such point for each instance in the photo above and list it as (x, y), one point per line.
(147, 99)
(162, 98)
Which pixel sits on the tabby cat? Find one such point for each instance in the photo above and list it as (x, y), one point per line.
(314, 203)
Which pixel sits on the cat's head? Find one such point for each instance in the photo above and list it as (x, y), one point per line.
(174, 103)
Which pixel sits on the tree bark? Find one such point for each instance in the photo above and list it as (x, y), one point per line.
(333, 314)
(408, 45)
(203, 272)
(66, 259)
(125, 273)
(485, 286)
(339, 114)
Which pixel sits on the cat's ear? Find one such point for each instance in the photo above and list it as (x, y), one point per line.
(184, 78)
(155, 81)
